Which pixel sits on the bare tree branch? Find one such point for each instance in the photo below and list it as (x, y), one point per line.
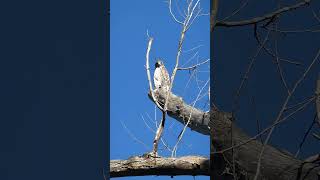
(181, 111)
(266, 129)
(186, 125)
(269, 51)
(305, 136)
(264, 17)
(236, 11)
(142, 166)
(173, 16)
(277, 164)
(214, 11)
(281, 73)
(194, 66)
(313, 30)
(316, 136)
(148, 72)
(282, 110)
(185, 26)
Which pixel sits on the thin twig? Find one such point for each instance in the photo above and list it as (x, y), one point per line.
(299, 103)
(153, 131)
(305, 136)
(236, 99)
(148, 73)
(192, 49)
(278, 64)
(246, 75)
(256, 35)
(294, 30)
(282, 110)
(133, 136)
(315, 16)
(184, 29)
(189, 80)
(316, 136)
(256, 117)
(173, 16)
(265, 130)
(194, 66)
(179, 10)
(264, 17)
(236, 11)
(191, 58)
(186, 125)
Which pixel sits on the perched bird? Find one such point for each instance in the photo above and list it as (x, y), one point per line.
(161, 76)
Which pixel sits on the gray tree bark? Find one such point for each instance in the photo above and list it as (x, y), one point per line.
(276, 164)
(143, 166)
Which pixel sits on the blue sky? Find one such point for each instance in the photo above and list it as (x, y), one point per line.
(130, 21)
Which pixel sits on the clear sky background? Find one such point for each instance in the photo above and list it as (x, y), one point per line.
(130, 21)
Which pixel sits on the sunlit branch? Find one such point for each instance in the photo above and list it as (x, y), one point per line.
(148, 72)
(194, 66)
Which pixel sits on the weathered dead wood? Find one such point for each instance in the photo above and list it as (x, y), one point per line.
(142, 166)
(179, 110)
(276, 164)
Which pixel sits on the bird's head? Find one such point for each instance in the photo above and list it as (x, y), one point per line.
(158, 63)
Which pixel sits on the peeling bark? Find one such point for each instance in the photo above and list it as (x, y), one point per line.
(142, 166)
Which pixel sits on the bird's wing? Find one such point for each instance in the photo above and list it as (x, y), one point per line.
(165, 77)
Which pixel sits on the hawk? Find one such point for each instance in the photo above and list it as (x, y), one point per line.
(161, 77)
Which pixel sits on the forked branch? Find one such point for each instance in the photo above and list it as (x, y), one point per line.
(264, 17)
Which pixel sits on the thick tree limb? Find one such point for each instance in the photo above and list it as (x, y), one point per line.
(142, 166)
(264, 17)
(179, 110)
(276, 164)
